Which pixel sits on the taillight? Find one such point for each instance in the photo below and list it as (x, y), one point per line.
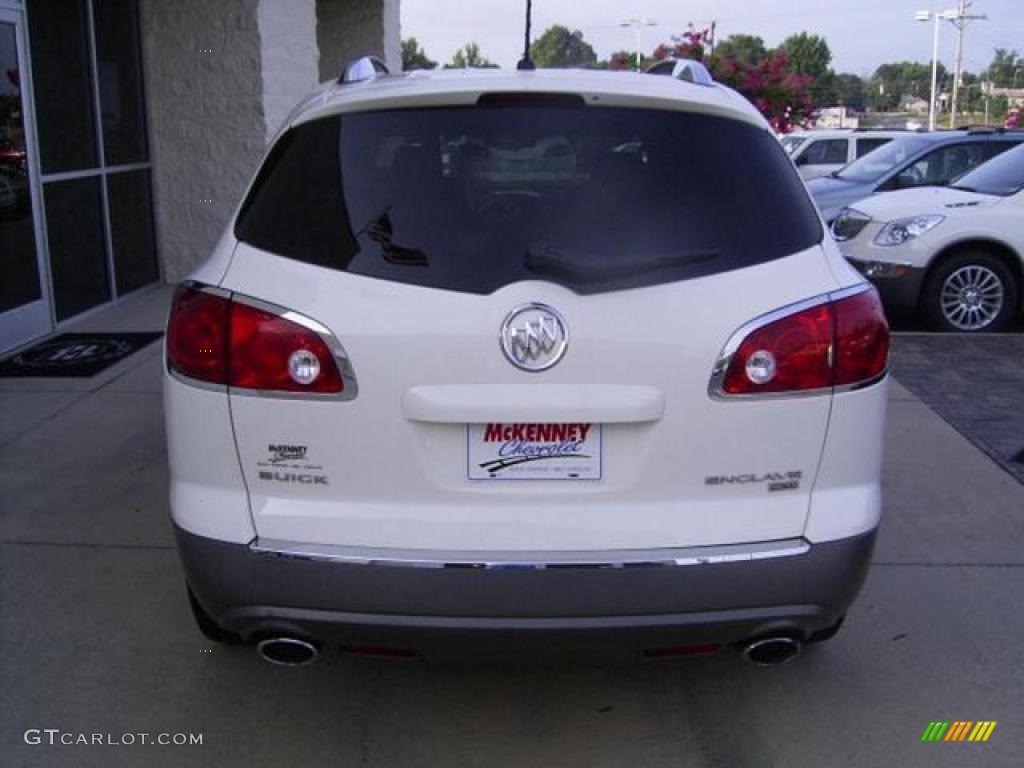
(197, 340)
(216, 339)
(862, 338)
(839, 342)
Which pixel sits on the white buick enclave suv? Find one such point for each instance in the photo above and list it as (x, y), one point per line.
(525, 361)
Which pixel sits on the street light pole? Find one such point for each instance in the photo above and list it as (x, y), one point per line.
(936, 17)
(637, 24)
(935, 73)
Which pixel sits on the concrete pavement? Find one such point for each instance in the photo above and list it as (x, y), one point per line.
(98, 638)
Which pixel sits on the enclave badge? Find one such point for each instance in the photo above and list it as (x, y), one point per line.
(534, 337)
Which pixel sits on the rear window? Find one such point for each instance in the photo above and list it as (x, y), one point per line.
(869, 145)
(474, 198)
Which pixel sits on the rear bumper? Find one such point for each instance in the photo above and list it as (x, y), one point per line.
(437, 609)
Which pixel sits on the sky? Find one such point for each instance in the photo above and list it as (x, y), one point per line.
(861, 33)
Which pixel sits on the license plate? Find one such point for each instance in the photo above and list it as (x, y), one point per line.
(534, 451)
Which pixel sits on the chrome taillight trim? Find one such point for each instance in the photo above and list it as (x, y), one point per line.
(721, 366)
(535, 561)
(341, 358)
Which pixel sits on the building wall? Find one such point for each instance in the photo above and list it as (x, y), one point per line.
(220, 79)
(206, 119)
(289, 60)
(347, 29)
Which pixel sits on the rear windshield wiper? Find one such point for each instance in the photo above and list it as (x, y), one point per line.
(589, 268)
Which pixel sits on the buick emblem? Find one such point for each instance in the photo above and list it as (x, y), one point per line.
(534, 337)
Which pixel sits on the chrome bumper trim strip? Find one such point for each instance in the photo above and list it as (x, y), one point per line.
(532, 561)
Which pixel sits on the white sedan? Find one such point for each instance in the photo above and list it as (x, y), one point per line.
(953, 255)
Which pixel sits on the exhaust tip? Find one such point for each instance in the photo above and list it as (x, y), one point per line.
(769, 651)
(287, 651)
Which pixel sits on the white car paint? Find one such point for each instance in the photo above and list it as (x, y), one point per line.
(640, 363)
(644, 501)
(967, 216)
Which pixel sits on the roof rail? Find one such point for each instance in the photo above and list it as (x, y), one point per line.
(362, 69)
(989, 129)
(687, 70)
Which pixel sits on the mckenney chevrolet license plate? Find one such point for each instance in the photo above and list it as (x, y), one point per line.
(534, 451)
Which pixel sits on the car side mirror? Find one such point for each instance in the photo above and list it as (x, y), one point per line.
(802, 160)
(906, 180)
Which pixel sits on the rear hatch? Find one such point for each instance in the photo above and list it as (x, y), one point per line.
(532, 299)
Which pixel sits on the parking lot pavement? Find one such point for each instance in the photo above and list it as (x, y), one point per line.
(974, 383)
(98, 639)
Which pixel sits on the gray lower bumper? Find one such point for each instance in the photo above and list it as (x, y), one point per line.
(646, 605)
(899, 295)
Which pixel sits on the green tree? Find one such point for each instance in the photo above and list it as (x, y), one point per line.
(780, 94)
(748, 49)
(850, 91)
(808, 55)
(619, 60)
(469, 56)
(972, 98)
(414, 57)
(559, 47)
(894, 80)
(1006, 69)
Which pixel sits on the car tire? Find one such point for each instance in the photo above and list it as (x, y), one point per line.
(208, 626)
(972, 292)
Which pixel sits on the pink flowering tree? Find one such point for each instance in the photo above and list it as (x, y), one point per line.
(781, 95)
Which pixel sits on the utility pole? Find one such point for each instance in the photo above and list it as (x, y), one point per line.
(714, 24)
(960, 21)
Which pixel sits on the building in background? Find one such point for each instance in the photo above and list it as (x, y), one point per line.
(129, 128)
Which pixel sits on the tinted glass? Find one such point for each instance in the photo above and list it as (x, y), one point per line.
(945, 164)
(61, 79)
(131, 230)
(869, 145)
(875, 165)
(1002, 176)
(19, 267)
(74, 232)
(826, 152)
(790, 143)
(120, 81)
(473, 198)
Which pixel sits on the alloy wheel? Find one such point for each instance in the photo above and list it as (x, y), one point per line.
(972, 297)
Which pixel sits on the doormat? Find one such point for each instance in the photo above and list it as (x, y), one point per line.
(74, 354)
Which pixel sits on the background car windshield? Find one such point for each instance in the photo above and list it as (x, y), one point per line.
(474, 198)
(875, 165)
(1003, 175)
(790, 143)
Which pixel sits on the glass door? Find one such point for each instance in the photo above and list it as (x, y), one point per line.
(24, 287)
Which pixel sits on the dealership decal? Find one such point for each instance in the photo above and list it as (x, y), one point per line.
(525, 451)
(290, 456)
(280, 453)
